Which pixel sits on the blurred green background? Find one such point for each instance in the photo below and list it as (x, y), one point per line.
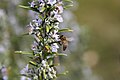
(97, 56)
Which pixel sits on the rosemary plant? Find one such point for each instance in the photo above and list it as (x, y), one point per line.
(47, 39)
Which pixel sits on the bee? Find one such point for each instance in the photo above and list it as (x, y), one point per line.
(64, 42)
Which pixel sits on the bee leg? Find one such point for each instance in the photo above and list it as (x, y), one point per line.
(64, 48)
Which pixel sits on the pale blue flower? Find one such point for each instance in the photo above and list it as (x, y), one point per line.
(37, 22)
(41, 7)
(56, 25)
(25, 78)
(32, 4)
(4, 73)
(58, 18)
(55, 35)
(24, 71)
(54, 47)
(52, 2)
(44, 63)
(40, 1)
(34, 46)
(34, 26)
(59, 7)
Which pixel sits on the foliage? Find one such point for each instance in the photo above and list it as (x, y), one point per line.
(47, 38)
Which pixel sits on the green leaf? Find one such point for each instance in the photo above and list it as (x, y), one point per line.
(34, 9)
(42, 9)
(52, 8)
(25, 7)
(32, 63)
(65, 30)
(29, 8)
(57, 64)
(68, 1)
(64, 73)
(26, 75)
(23, 52)
(24, 34)
(47, 28)
(51, 29)
(41, 17)
(44, 74)
(68, 6)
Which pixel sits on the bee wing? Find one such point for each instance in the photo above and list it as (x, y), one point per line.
(70, 39)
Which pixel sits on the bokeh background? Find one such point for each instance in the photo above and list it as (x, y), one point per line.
(95, 54)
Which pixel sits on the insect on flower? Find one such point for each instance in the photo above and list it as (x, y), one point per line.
(64, 41)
